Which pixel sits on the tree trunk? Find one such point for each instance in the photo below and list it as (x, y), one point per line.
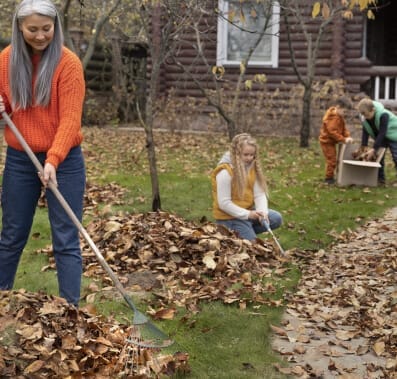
(151, 151)
(156, 201)
(231, 128)
(99, 25)
(305, 129)
(153, 94)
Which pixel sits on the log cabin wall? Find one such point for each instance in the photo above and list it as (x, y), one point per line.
(281, 80)
(356, 65)
(340, 56)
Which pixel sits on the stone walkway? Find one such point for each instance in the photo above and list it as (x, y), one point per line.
(342, 320)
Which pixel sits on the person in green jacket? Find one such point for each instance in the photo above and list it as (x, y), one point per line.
(380, 124)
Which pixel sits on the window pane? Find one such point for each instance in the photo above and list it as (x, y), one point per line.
(249, 18)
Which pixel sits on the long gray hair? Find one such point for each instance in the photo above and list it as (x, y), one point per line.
(21, 69)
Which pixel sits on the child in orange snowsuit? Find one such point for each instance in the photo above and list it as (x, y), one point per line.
(333, 131)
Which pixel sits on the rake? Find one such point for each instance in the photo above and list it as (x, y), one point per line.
(267, 226)
(144, 334)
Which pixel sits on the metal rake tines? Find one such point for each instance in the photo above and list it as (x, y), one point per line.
(148, 336)
(141, 356)
(135, 357)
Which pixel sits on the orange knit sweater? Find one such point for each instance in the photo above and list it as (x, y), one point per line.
(54, 129)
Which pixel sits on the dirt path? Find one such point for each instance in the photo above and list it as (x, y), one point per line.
(342, 321)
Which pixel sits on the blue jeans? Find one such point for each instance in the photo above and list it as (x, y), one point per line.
(20, 194)
(248, 229)
(392, 145)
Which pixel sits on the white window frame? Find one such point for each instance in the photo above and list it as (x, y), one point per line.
(223, 25)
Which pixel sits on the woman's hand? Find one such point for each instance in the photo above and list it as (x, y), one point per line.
(49, 174)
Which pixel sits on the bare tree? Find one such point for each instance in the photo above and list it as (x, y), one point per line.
(100, 13)
(297, 14)
(294, 10)
(214, 97)
(163, 21)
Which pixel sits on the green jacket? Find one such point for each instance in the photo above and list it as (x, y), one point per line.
(391, 133)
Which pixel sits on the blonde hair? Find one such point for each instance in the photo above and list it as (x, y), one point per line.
(239, 169)
(365, 105)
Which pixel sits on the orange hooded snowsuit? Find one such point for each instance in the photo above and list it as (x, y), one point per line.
(333, 131)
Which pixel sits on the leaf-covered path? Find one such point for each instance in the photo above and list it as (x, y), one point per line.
(342, 321)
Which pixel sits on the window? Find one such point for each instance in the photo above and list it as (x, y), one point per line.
(239, 25)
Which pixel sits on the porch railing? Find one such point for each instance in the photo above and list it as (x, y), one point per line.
(384, 83)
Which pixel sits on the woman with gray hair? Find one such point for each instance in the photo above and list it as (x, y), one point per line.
(42, 88)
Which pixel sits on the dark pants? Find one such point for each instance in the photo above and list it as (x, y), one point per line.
(392, 145)
(20, 194)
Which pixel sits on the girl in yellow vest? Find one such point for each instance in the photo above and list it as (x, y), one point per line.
(239, 191)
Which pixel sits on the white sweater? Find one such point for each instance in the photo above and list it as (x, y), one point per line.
(224, 194)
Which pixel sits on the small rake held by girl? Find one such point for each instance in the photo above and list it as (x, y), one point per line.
(283, 253)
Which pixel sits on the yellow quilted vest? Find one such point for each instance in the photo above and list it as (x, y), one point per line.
(247, 200)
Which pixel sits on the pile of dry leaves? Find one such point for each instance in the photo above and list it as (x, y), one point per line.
(181, 262)
(42, 336)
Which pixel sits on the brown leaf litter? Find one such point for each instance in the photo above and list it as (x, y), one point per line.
(181, 262)
(41, 336)
(109, 194)
(342, 320)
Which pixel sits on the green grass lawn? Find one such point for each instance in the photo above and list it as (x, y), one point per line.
(223, 341)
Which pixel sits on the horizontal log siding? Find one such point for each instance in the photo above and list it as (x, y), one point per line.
(357, 67)
(339, 57)
(282, 78)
